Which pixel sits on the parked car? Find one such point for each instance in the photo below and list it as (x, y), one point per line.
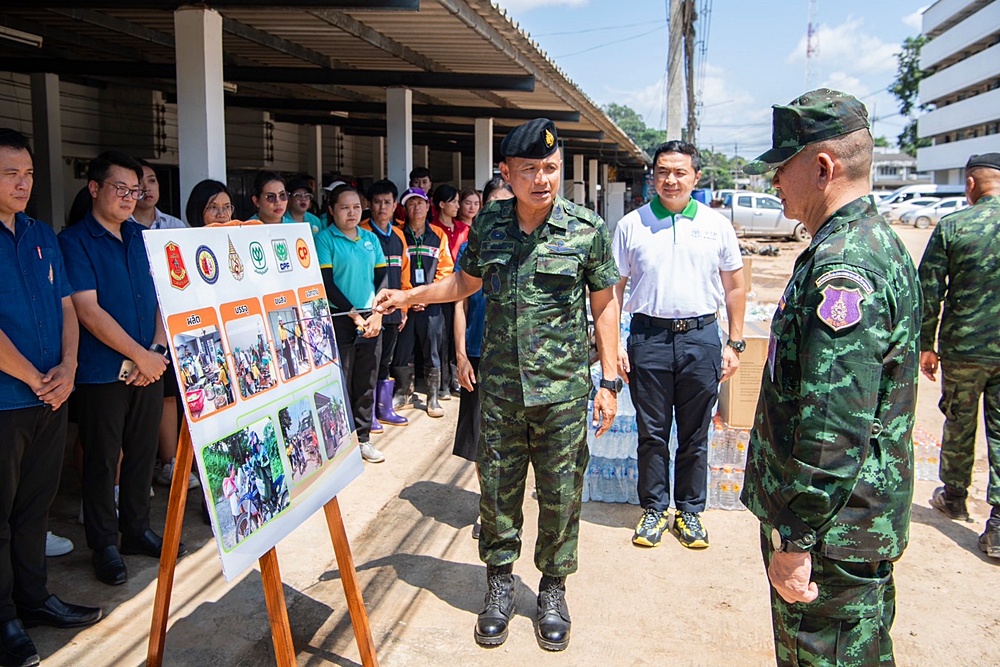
(910, 192)
(758, 214)
(891, 212)
(924, 217)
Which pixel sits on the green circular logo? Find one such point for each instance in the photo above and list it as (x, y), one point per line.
(257, 257)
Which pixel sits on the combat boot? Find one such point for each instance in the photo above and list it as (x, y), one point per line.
(553, 614)
(383, 404)
(404, 387)
(989, 541)
(950, 502)
(498, 607)
(432, 377)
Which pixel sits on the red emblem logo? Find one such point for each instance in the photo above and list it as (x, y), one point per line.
(302, 251)
(179, 277)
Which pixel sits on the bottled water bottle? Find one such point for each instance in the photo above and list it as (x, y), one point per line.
(737, 489)
(717, 443)
(740, 445)
(728, 499)
(714, 475)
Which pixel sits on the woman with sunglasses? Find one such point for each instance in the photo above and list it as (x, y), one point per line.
(209, 203)
(300, 198)
(269, 197)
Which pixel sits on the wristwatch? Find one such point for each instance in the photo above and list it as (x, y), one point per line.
(160, 350)
(738, 345)
(614, 385)
(778, 543)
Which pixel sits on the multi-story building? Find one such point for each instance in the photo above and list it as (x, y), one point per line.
(961, 86)
(892, 169)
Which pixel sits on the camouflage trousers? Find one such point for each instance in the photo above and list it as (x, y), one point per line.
(553, 438)
(846, 626)
(962, 385)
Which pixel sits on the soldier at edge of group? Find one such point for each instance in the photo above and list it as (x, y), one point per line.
(535, 257)
(961, 267)
(830, 465)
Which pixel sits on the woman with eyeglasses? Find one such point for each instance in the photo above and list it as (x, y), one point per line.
(209, 203)
(300, 198)
(269, 197)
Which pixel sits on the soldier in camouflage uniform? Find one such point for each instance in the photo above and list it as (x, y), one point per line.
(961, 267)
(534, 256)
(829, 473)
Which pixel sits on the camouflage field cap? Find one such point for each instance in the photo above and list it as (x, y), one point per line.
(815, 116)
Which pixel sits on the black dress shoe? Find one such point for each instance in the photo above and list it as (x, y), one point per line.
(147, 544)
(109, 566)
(58, 614)
(16, 647)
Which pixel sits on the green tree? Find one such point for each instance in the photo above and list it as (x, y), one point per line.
(635, 127)
(906, 89)
(881, 142)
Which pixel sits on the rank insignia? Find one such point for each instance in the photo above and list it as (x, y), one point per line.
(178, 272)
(235, 263)
(550, 140)
(208, 265)
(840, 307)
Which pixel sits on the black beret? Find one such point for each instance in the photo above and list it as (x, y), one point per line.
(535, 139)
(984, 160)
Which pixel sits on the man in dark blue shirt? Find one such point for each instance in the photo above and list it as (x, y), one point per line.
(123, 354)
(38, 341)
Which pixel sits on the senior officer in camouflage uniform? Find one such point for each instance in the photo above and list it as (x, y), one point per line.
(829, 473)
(961, 267)
(534, 256)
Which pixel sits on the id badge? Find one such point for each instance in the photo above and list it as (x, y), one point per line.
(418, 276)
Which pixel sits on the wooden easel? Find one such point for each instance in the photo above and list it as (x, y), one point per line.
(274, 594)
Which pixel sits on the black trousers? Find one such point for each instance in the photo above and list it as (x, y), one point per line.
(32, 441)
(673, 372)
(469, 415)
(390, 334)
(359, 361)
(426, 328)
(116, 417)
(447, 344)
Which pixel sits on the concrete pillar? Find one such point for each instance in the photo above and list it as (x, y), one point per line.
(456, 169)
(378, 158)
(314, 153)
(46, 122)
(201, 119)
(484, 151)
(579, 194)
(592, 184)
(399, 133)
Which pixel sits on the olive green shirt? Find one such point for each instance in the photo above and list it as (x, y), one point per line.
(535, 344)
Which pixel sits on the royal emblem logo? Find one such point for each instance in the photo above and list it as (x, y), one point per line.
(280, 247)
(840, 307)
(179, 277)
(208, 265)
(258, 258)
(550, 140)
(235, 263)
(302, 252)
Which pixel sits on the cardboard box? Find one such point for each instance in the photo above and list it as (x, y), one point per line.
(738, 395)
(748, 272)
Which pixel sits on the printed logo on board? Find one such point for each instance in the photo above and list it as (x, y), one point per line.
(179, 277)
(235, 263)
(302, 252)
(258, 258)
(280, 247)
(208, 265)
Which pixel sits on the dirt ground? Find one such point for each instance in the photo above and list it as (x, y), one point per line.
(409, 523)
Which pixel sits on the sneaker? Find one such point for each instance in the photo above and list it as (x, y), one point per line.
(689, 530)
(163, 473)
(989, 543)
(56, 546)
(649, 530)
(951, 506)
(370, 454)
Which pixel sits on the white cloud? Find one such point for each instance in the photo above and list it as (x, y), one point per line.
(916, 19)
(849, 49)
(844, 82)
(518, 6)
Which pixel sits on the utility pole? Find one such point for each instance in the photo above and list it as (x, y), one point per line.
(812, 47)
(675, 62)
(690, 16)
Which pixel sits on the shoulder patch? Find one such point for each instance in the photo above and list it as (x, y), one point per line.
(845, 274)
(840, 307)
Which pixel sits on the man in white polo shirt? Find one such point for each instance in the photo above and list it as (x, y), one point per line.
(684, 264)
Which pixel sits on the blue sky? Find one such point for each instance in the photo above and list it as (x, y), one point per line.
(616, 51)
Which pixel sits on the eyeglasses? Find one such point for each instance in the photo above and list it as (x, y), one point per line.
(271, 197)
(219, 210)
(123, 192)
(305, 196)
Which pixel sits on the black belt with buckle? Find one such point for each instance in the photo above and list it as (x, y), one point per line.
(676, 325)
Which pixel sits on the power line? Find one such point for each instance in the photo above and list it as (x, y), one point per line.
(611, 43)
(577, 32)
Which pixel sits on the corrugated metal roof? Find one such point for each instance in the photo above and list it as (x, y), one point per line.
(444, 36)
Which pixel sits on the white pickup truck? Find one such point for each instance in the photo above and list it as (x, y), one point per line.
(759, 214)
